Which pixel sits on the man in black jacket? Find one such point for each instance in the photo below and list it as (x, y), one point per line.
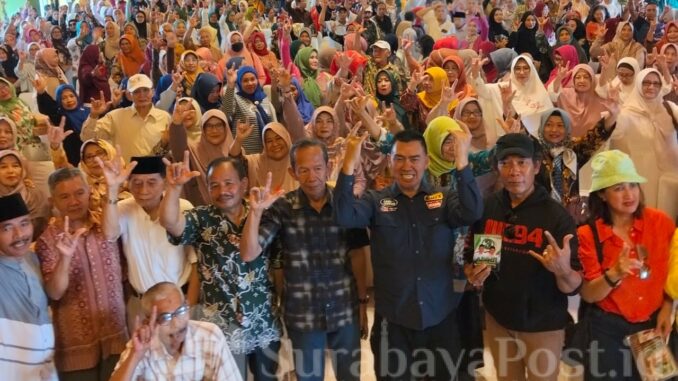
(525, 296)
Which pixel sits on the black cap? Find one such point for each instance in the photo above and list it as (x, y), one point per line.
(12, 206)
(514, 144)
(148, 165)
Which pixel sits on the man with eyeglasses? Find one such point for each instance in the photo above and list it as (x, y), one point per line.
(525, 297)
(169, 346)
(136, 129)
(380, 59)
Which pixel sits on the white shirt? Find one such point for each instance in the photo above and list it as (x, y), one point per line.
(135, 135)
(204, 356)
(150, 257)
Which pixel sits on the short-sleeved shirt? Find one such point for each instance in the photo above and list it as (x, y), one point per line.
(235, 295)
(635, 299)
(320, 290)
(413, 245)
(150, 258)
(204, 356)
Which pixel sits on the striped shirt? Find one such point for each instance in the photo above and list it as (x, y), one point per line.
(26, 333)
(238, 108)
(204, 356)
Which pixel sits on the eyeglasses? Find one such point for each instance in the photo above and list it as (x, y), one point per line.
(91, 157)
(166, 318)
(651, 84)
(466, 114)
(213, 126)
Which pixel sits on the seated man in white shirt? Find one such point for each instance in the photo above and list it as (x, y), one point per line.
(136, 129)
(169, 346)
(150, 257)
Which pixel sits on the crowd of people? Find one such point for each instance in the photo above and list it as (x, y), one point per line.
(187, 185)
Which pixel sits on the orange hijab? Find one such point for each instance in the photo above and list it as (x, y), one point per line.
(131, 63)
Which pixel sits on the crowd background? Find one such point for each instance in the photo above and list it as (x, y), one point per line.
(99, 85)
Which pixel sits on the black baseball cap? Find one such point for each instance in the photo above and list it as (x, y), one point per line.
(515, 144)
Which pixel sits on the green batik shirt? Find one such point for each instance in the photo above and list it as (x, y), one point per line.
(235, 295)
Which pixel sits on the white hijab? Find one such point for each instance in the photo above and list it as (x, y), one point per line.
(531, 97)
(653, 109)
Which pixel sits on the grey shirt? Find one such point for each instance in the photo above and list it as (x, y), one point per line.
(23, 296)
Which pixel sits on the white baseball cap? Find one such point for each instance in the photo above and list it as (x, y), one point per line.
(139, 81)
(382, 45)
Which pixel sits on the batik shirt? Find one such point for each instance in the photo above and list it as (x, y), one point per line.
(235, 295)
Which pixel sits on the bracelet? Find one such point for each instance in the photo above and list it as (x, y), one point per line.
(609, 280)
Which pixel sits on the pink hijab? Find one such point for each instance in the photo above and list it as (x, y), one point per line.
(583, 107)
(570, 58)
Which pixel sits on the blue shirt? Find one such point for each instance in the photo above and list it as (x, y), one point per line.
(413, 242)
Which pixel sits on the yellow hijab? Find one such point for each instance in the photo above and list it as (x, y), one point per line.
(439, 79)
(435, 135)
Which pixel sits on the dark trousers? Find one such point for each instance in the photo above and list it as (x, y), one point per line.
(262, 362)
(402, 353)
(309, 353)
(609, 357)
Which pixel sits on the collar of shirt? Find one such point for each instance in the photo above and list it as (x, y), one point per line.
(538, 195)
(424, 187)
(605, 231)
(300, 200)
(152, 113)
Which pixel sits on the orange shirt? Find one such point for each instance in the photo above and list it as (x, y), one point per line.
(635, 299)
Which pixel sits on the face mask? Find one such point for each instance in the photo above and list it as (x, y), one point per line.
(237, 46)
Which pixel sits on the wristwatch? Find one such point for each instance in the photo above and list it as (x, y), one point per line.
(609, 280)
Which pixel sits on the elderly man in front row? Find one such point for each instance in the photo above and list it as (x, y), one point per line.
(169, 346)
(26, 334)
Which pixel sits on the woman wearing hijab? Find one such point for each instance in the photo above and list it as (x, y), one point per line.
(47, 65)
(207, 92)
(110, 46)
(439, 137)
(213, 143)
(207, 61)
(59, 43)
(245, 100)
(645, 131)
(564, 38)
(670, 34)
(314, 85)
(456, 71)
(525, 39)
(140, 23)
(15, 108)
(387, 95)
(422, 103)
(301, 102)
(274, 159)
(622, 45)
(581, 101)
(25, 69)
(69, 106)
(234, 46)
(595, 22)
(257, 44)
(530, 99)
(619, 79)
(82, 39)
(564, 155)
(499, 64)
(8, 133)
(190, 70)
(92, 75)
(131, 58)
(190, 121)
(13, 176)
(496, 25)
(563, 57)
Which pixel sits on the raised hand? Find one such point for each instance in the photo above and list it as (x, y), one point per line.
(613, 93)
(510, 125)
(39, 84)
(344, 61)
(406, 45)
(507, 94)
(462, 145)
(171, 38)
(56, 134)
(231, 76)
(555, 259)
(541, 22)
(180, 113)
(242, 131)
(98, 106)
(354, 143)
(144, 334)
(285, 77)
(476, 274)
(477, 64)
(177, 79)
(388, 115)
(116, 96)
(651, 57)
(67, 242)
(115, 171)
(178, 174)
(625, 266)
(261, 198)
(358, 104)
(602, 32)
(449, 95)
(417, 78)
